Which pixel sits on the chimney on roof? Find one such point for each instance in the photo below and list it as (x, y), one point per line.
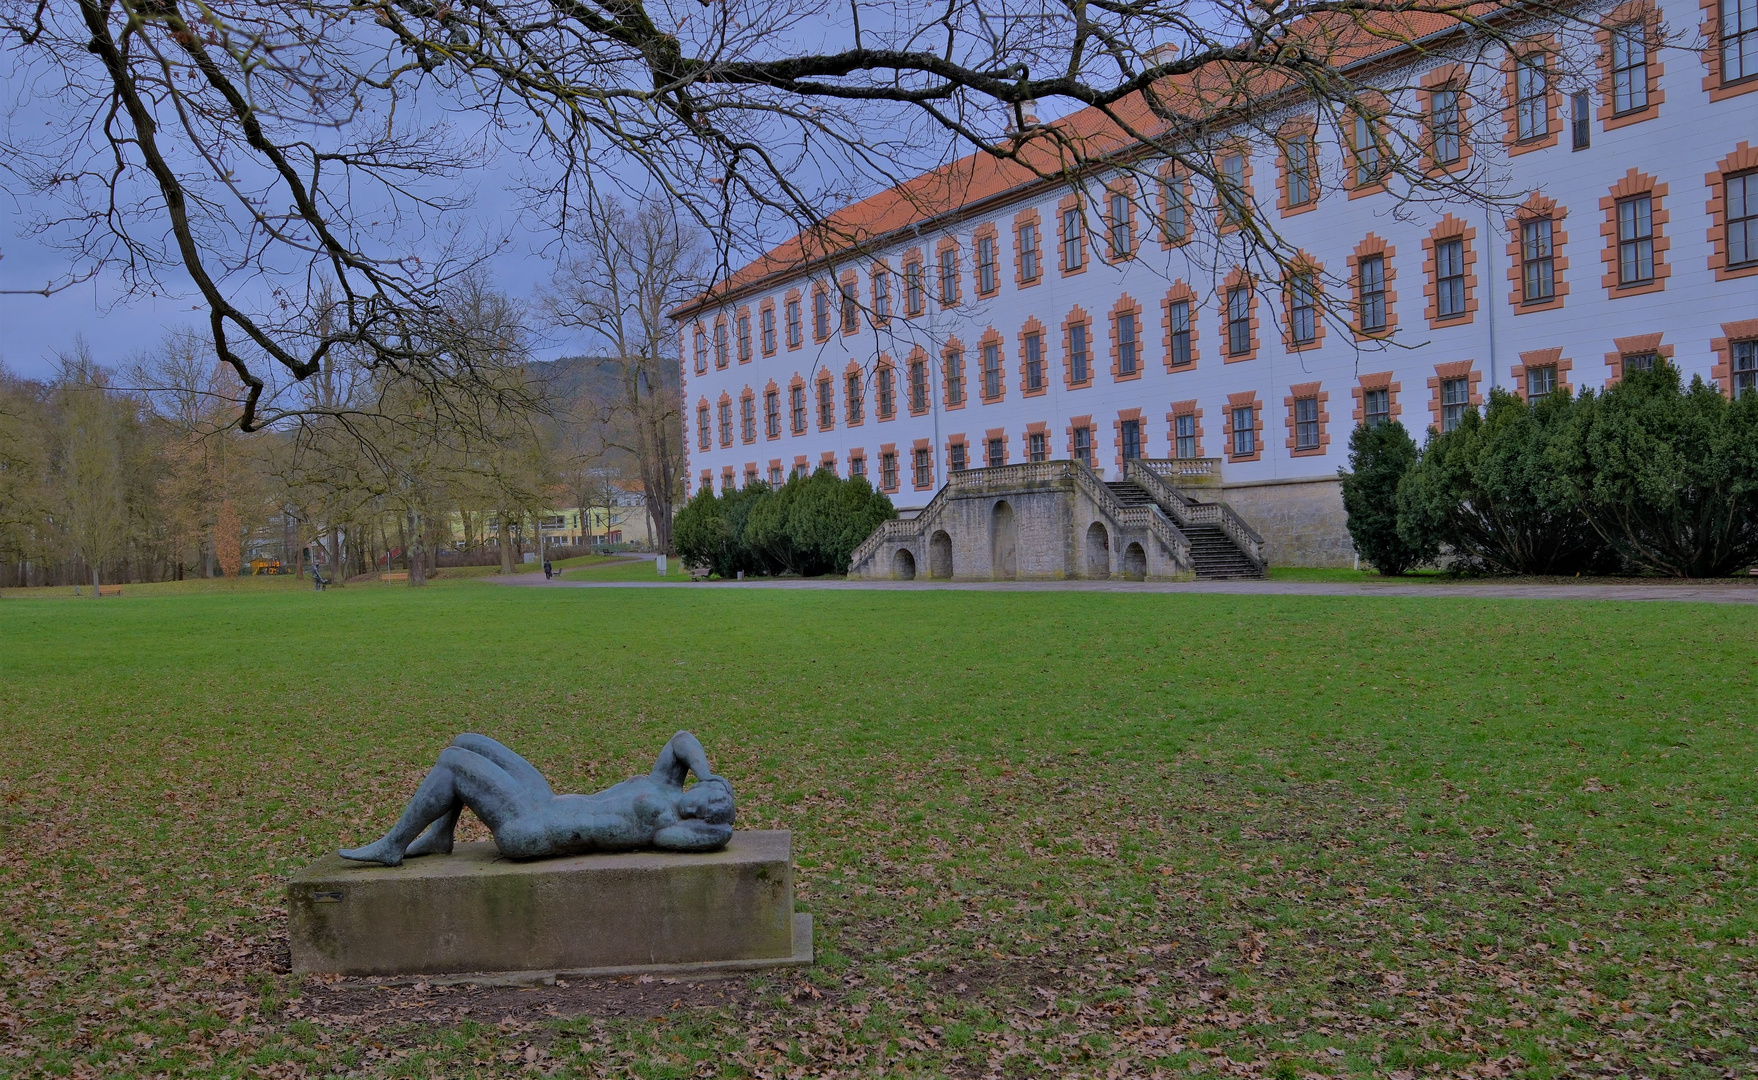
(1162, 54)
(1022, 116)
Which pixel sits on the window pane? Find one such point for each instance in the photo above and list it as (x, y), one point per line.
(1376, 407)
(1371, 277)
(1232, 191)
(1450, 277)
(1180, 332)
(1455, 398)
(1131, 431)
(1177, 213)
(1122, 242)
(1739, 39)
(1367, 153)
(1635, 240)
(1299, 173)
(1444, 125)
(1742, 219)
(1629, 68)
(1303, 314)
(1745, 368)
(1532, 112)
(1306, 424)
(1538, 267)
(1238, 321)
(1244, 431)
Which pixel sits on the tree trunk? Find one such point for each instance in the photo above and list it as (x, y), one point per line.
(336, 575)
(417, 554)
(504, 533)
(94, 581)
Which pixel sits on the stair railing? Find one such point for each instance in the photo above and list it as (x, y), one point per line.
(1151, 518)
(900, 529)
(1188, 511)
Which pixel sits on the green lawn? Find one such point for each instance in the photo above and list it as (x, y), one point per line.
(1062, 834)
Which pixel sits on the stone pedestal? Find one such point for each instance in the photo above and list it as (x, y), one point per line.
(474, 911)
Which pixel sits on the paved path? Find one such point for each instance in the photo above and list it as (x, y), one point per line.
(1734, 592)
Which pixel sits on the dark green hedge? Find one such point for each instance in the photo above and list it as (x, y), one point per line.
(809, 526)
(1648, 476)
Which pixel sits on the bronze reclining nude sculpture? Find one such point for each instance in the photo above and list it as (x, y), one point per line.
(530, 821)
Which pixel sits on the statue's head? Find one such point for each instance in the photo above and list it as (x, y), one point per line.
(708, 800)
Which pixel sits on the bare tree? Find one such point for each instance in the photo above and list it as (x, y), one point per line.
(23, 463)
(90, 462)
(637, 265)
(267, 150)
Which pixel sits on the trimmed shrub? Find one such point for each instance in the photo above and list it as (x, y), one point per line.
(1667, 475)
(809, 526)
(1379, 457)
(831, 517)
(701, 536)
(1488, 491)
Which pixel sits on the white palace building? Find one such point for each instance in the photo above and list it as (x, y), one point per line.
(984, 314)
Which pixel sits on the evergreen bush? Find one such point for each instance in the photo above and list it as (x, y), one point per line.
(1667, 475)
(702, 537)
(809, 526)
(1487, 490)
(1379, 456)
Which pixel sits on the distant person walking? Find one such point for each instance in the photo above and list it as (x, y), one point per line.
(548, 570)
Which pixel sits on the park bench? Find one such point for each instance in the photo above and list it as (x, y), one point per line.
(109, 590)
(394, 575)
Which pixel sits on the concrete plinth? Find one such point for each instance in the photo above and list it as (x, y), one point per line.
(474, 911)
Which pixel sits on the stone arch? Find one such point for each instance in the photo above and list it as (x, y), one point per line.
(1098, 551)
(1135, 562)
(940, 555)
(1003, 541)
(903, 565)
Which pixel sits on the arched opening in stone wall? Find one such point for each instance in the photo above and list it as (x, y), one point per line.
(903, 565)
(1003, 541)
(1135, 562)
(1098, 551)
(940, 555)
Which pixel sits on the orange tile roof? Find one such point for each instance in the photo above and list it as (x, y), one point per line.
(1085, 136)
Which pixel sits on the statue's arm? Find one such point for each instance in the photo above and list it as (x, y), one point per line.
(692, 835)
(682, 756)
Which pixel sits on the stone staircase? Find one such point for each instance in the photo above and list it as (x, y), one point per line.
(1213, 553)
(1013, 521)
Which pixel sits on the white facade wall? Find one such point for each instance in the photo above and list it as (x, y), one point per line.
(1692, 134)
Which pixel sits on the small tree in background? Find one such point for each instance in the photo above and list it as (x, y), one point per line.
(228, 531)
(1667, 475)
(88, 454)
(1379, 456)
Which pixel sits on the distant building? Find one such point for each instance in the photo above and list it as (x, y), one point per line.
(980, 315)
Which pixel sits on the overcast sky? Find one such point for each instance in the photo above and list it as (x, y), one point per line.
(118, 326)
(33, 328)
